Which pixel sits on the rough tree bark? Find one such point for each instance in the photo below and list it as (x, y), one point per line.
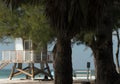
(63, 62)
(103, 54)
(101, 10)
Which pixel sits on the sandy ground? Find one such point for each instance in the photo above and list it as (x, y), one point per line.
(18, 81)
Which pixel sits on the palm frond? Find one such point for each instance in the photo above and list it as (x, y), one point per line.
(66, 16)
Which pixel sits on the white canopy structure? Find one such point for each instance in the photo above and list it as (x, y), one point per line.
(24, 53)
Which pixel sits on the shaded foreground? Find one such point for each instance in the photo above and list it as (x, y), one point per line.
(18, 81)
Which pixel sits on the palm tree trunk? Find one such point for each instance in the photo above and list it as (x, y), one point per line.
(63, 62)
(103, 54)
(102, 47)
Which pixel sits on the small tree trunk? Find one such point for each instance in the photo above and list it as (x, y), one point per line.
(63, 62)
(54, 53)
(117, 52)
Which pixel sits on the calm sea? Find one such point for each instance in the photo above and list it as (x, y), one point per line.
(6, 72)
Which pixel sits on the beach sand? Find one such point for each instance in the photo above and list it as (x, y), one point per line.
(22, 81)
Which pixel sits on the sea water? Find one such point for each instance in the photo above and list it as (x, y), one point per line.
(5, 73)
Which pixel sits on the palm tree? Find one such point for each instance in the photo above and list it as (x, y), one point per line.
(99, 20)
(66, 18)
(102, 44)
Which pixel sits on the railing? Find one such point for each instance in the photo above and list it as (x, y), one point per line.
(2, 65)
(82, 74)
(23, 56)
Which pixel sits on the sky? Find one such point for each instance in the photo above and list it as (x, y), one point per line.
(81, 54)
